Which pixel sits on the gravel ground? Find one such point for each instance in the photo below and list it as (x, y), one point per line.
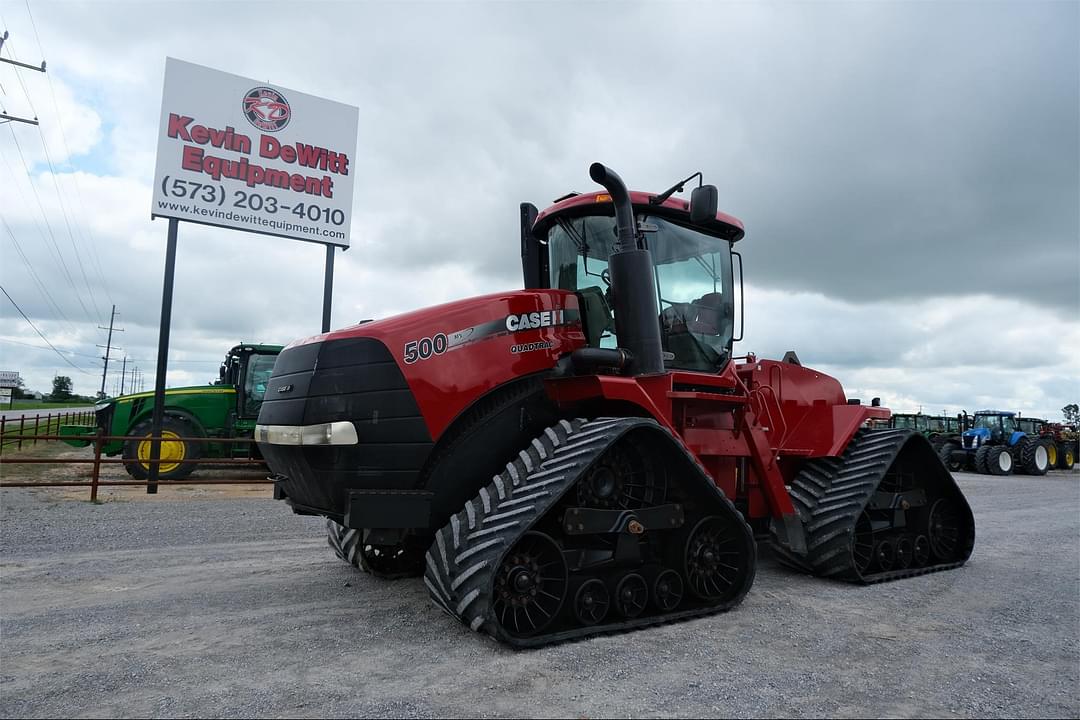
(235, 607)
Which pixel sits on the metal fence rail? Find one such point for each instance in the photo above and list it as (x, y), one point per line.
(98, 440)
(13, 431)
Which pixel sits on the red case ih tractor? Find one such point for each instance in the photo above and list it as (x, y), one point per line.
(586, 455)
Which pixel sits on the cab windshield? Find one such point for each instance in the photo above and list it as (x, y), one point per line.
(692, 275)
(995, 422)
(259, 370)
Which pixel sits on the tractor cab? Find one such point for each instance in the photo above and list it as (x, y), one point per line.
(992, 426)
(912, 422)
(569, 246)
(953, 425)
(247, 368)
(1030, 426)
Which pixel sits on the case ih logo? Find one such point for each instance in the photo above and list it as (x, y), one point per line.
(267, 109)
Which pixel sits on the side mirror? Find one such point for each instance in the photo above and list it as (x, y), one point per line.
(703, 204)
(221, 372)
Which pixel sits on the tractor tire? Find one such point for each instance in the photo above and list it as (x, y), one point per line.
(945, 453)
(1052, 453)
(1034, 457)
(999, 461)
(175, 453)
(1017, 452)
(1066, 455)
(980, 460)
(385, 563)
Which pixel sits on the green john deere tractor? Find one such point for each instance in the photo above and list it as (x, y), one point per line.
(943, 431)
(225, 409)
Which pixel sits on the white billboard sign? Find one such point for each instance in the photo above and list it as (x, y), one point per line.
(9, 378)
(247, 155)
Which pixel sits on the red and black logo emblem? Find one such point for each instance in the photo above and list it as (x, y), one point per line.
(267, 109)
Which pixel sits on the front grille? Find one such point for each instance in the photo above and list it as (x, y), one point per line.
(356, 380)
(103, 418)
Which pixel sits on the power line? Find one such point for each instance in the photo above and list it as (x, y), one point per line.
(98, 357)
(45, 215)
(87, 235)
(33, 273)
(56, 183)
(39, 347)
(64, 212)
(11, 48)
(84, 372)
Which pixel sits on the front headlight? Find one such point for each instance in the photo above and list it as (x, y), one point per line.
(335, 433)
(101, 406)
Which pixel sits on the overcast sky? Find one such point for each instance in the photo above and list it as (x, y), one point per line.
(908, 174)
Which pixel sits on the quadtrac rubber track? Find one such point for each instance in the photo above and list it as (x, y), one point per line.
(463, 559)
(833, 495)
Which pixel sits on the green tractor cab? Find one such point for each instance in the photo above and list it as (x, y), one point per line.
(197, 419)
(943, 431)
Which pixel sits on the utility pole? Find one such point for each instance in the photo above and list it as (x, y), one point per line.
(108, 347)
(123, 374)
(4, 117)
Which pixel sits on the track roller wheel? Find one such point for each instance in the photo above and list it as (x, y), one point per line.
(530, 585)
(591, 602)
(943, 529)
(621, 479)
(862, 543)
(713, 559)
(904, 552)
(920, 551)
(667, 590)
(885, 555)
(631, 595)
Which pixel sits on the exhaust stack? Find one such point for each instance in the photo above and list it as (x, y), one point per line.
(637, 323)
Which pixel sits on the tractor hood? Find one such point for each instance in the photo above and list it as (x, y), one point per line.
(448, 355)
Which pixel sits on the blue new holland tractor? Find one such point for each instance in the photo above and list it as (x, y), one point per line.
(996, 445)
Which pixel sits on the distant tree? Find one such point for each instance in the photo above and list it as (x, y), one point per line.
(61, 388)
(1071, 413)
(19, 391)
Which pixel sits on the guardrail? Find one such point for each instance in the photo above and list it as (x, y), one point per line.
(98, 440)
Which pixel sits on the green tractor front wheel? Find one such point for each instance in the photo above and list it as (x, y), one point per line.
(176, 451)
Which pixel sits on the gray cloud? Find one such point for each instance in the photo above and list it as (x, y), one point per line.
(912, 154)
